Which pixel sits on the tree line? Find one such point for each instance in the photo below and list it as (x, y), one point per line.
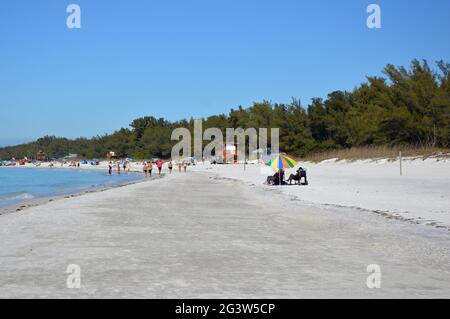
(407, 106)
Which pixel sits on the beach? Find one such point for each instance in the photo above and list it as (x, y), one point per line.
(206, 234)
(308, 144)
(421, 195)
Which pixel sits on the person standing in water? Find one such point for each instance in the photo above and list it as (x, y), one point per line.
(170, 166)
(145, 169)
(110, 168)
(118, 168)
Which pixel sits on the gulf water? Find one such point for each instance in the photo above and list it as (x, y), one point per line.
(22, 184)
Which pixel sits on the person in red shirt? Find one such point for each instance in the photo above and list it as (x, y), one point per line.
(159, 164)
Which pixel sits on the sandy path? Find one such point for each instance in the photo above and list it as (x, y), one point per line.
(197, 236)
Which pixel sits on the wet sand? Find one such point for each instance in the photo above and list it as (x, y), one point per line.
(197, 236)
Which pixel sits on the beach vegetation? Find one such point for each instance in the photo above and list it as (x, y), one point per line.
(407, 108)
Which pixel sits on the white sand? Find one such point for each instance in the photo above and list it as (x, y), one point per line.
(421, 195)
(195, 235)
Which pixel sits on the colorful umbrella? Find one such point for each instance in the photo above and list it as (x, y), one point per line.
(280, 161)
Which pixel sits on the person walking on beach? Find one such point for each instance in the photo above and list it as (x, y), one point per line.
(170, 166)
(185, 166)
(159, 164)
(150, 168)
(179, 167)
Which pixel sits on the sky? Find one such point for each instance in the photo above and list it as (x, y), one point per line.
(180, 59)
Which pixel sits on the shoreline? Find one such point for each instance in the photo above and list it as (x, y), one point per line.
(282, 197)
(39, 201)
(322, 193)
(136, 166)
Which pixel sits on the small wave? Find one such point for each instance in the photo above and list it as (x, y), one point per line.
(19, 196)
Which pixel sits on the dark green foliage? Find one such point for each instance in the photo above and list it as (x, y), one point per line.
(408, 107)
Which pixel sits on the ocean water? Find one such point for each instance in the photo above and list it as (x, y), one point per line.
(21, 184)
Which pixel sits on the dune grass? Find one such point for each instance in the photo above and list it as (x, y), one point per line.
(379, 152)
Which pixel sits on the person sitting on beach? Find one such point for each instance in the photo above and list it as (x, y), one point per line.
(281, 177)
(301, 173)
(271, 179)
(276, 179)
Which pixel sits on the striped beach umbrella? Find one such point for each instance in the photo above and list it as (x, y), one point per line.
(280, 161)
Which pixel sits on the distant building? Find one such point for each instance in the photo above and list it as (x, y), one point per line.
(41, 156)
(111, 155)
(231, 153)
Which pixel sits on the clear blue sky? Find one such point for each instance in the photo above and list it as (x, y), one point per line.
(179, 59)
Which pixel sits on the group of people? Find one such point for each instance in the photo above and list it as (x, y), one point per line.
(148, 167)
(119, 165)
(183, 164)
(278, 178)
